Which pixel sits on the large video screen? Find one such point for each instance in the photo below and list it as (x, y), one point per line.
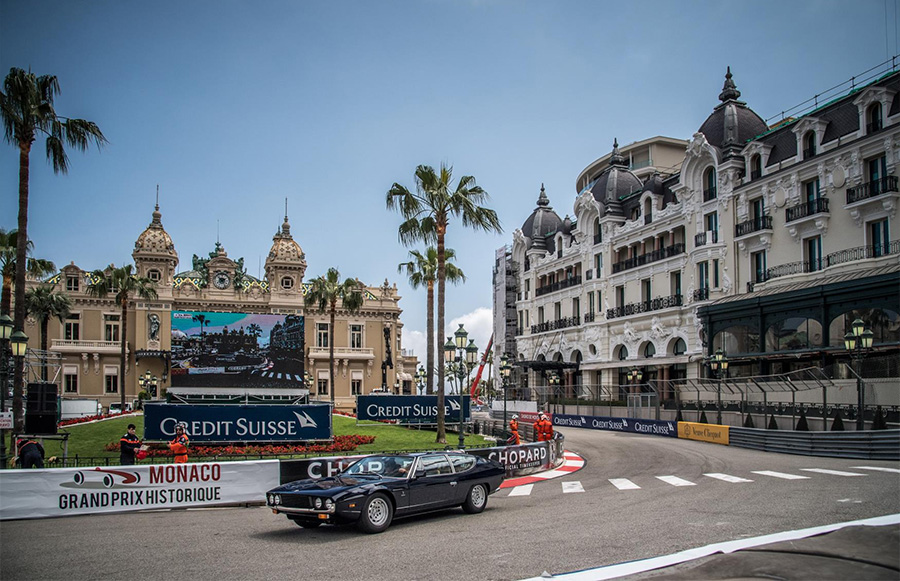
(236, 350)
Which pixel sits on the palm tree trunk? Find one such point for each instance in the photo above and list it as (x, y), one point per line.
(441, 433)
(6, 296)
(124, 329)
(429, 346)
(19, 318)
(331, 352)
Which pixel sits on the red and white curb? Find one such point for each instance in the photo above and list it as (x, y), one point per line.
(573, 463)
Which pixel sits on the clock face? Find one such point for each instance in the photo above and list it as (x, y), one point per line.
(222, 280)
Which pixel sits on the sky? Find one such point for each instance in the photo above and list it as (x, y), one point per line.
(231, 107)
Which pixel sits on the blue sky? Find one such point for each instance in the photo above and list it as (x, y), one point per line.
(231, 107)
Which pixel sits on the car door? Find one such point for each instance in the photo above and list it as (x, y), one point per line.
(433, 485)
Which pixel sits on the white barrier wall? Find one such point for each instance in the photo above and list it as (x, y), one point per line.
(70, 491)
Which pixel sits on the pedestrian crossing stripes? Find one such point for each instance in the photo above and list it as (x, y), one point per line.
(626, 484)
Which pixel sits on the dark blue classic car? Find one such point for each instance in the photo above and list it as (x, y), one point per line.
(377, 489)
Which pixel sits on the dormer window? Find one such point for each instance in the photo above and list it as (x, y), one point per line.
(874, 120)
(154, 275)
(709, 184)
(598, 232)
(648, 211)
(287, 282)
(809, 144)
(755, 167)
(72, 283)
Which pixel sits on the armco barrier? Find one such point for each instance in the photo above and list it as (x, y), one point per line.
(868, 445)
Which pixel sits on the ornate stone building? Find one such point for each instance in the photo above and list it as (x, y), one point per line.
(88, 340)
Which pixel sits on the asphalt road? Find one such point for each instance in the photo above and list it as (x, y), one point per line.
(516, 537)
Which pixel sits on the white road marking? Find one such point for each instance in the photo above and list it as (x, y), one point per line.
(523, 490)
(572, 487)
(879, 468)
(624, 484)
(832, 472)
(850, 500)
(676, 481)
(781, 475)
(727, 477)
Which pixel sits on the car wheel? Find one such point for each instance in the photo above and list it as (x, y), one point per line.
(476, 499)
(376, 514)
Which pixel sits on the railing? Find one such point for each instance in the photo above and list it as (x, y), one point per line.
(78, 344)
(365, 352)
(835, 258)
(557, 324)
(810, 208)
(700, 239)
(589, 318)
(649, 257)
(701, 294)
(709, 194)
(553, 287)
(753, 225)
(644, 306)
(872, 189)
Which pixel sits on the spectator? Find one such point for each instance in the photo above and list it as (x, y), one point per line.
(31, 454)
(128, 445)
(543, 429)
(514, 439)
(179, 445)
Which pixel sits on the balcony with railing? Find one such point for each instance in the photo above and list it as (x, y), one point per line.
(701, 294)
(656, 304)
(563, 323)
(557, 286)
(654, 256)
(590, 317)
(711, 237)
(355, 353)
(709, 194)
(807, 209)
(871, 189)
(753, 225)
(86, 346)
(833, 259)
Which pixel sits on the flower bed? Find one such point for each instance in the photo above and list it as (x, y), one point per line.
(340, 444)
(86, 419)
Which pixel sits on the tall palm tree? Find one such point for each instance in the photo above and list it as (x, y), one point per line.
(125, 284)
(34, 267)
(26, 106)
(43, 303)
(203, 323)
(325, 291)
(427, 214)
(422, 271)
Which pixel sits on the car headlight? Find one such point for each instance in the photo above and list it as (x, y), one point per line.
(270, 499)
(329, 504)
(318, 503)
(277, 499)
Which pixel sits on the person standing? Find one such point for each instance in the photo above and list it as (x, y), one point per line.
(128, 445)
(543, 429)
(179, 445)
(31, 454)
(514, 439)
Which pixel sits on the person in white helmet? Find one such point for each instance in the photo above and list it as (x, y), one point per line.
(514, 439)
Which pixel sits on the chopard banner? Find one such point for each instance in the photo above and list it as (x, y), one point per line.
(239, 423)
(69, 491)
(410, 408)
(639, 426)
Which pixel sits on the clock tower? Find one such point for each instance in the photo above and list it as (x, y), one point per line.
(285, 264)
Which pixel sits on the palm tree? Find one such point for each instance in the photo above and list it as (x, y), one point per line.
(125, 284)
(34, 267)
(26, 106)
(427, 214)
(325, 292)
(203, 322)
(43, 304)
(422, 271)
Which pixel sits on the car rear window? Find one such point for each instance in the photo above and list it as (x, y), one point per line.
(462, 463)
(437, 464)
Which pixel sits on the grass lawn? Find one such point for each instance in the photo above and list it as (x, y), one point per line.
(90, 440)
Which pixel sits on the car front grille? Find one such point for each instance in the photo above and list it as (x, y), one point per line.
(296, 501)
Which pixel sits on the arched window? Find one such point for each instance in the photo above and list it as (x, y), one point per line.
(794, 333)
(709, 184)
(755, 167)
(737, 339)
(680, 347)
(598, 232)
(648, 211)
(884, 323)
(809, 144)
(623, 353)
(874, 120)
(649, 349)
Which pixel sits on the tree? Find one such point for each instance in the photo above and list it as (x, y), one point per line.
(427, 214)
(26, 105)
(203, 323)
(43, 303)
(422, 271)
(125, 284)
(34, 267)
(325, 291)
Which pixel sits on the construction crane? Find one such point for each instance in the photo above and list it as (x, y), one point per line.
(473, 392)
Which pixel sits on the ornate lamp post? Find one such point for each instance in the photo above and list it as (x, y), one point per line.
(859, 343)
(635, 375)
(6, 327)
(719, 365)
(553, 380)
(397, 387)
(307, 379)
(456, 357)
(505, 368)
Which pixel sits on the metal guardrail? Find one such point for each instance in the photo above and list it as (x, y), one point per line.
(868, 445)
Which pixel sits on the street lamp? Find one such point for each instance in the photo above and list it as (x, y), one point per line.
(6, 327)
(553, 380)
(505, 368)
(307, 379)
(457, 357)
(149, 383)
(397, 387)
(421, 380)
(858, 343)
(719, 365)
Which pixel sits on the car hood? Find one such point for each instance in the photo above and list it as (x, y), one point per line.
(325, 485)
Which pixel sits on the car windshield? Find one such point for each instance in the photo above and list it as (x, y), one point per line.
(384, 466)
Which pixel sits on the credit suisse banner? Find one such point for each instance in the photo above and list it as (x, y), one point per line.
(69, 491)
(239, 423)
(420, 409)
(639, 426)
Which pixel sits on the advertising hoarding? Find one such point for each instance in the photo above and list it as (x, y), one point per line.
(638, 426)
(419, 409)
(237, 349)
(238, 423)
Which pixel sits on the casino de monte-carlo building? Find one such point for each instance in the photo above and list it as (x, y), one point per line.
(764, 241)
(215, 327)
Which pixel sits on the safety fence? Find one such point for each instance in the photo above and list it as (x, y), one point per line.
(869, 445)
